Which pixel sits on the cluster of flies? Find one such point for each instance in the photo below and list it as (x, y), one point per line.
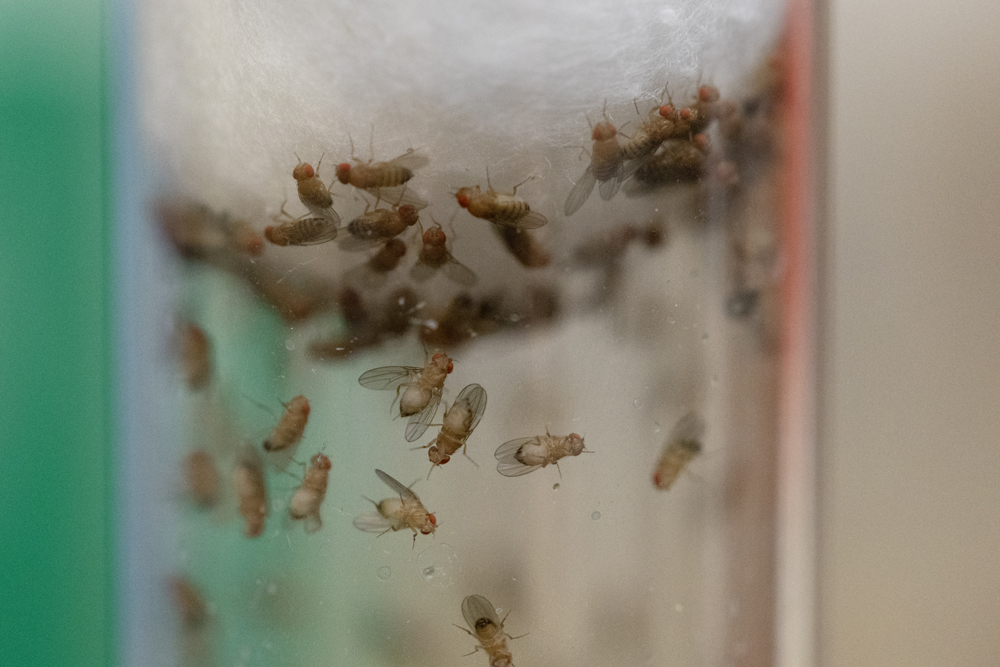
(709, 141)
(419, 391)
(671, 145)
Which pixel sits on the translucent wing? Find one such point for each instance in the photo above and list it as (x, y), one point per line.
(328, 232)
(508, 464)
(609, 187)
(388, 377)
(459, 273)
(580, 192)
(399, 195)
(313, 523)
(327, 214)
(411, 159)
(475, 607)
(372, 522)
(396, 486)
(533, 220)
(419, 422)
(475, 396)
(689, 428)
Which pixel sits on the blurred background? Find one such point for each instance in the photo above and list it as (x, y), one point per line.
(909, 510)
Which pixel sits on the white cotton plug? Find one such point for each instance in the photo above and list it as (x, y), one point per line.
(233, 91)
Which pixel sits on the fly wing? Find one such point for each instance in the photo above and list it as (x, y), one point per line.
(419, 422)
(533, 220)
(580, 192)
(475, 396)
(508, 465)
(328, 231)
(387, 377)
(475, 607)
(609, 188)
(313, 522)
(459, 273)
(399, 195)
(372, 522)
(411, 159)
(397, 486)
(688, 428)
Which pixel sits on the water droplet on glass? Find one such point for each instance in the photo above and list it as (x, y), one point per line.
(636, 402)
(440, 565)
(272, 588)
(595, 516)
(289, 345)
(431, 324)
(278, 504)
(384, 572)
(656, 427)
(678, 607)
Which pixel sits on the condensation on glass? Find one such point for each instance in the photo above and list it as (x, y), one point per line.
(623, 302)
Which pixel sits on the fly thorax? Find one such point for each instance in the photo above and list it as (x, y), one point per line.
(534, 453)
(415, 398)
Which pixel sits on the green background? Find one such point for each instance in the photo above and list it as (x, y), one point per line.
(55, 419)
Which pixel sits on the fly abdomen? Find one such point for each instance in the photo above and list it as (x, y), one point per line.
(511, 211)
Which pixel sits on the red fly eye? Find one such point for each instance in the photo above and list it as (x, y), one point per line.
(433, 519)
(685, 113)
(344, 173)
(451, 367)
(463, 201)
(656, 478)
(437, 355)
(666, 110)
(445, 460)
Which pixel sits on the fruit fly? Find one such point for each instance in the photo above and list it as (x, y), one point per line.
(385, 180)
(196, 359)
(605, 166)
(421, 389)
(202, 478)
(434, 255)
(307, 230)
(683, 444)
(290, 426)
(308, 497)
(313, 193)
(251, 491)
(377, 226)
(487, 627)
(523, 455)
(406, 511)
(460, 420)
(189, 602)
(499, 208)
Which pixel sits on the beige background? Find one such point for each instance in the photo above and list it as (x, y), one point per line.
(910, 458)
